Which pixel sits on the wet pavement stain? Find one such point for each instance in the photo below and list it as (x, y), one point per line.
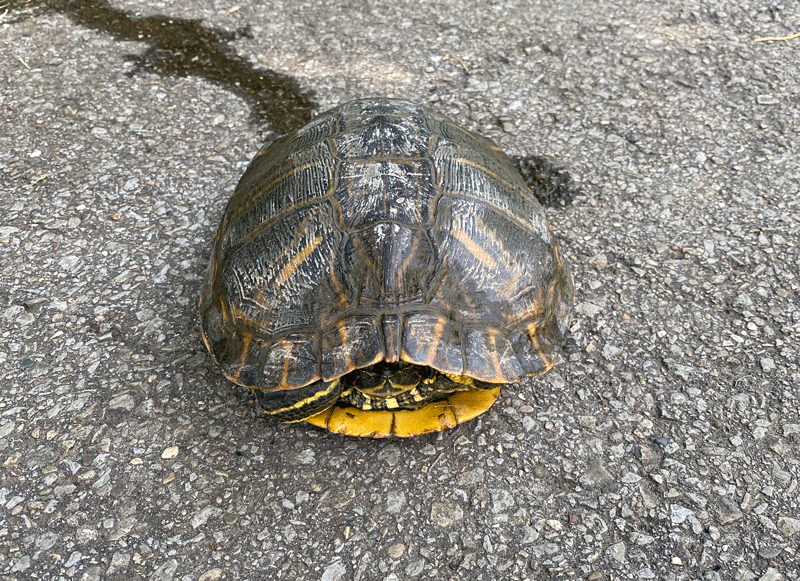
(184, 47)
(181, 47)
(552, 185)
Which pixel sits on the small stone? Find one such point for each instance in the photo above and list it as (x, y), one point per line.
(595, 474)
(165, 572)
(446, 514)
(502, 500)
(170, 452)
(678, 513)
(554, 524)
(6, 428)
(789, 526)
(211, 575)
(306, 457)
(743, 574)
(769, 552)
(530, 535)
(728, 511)
(415, 568)
(334, 572)
(617, 552)
(767, 99)
(230, 518)
(123, 401)
(631, 478)
(395, 501)
(470, 477)
(648, 455)
(789, 429)
(767, 364)
(92, 573)
(771, 575)
(396, 550)
(202, 515)
(390, 454)
(589, 309)
(610, 352)
(124, 526)
(600, 260)
(118, 562)
(22, 564)
(25, 319)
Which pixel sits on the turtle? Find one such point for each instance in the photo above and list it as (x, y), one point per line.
(382, 272)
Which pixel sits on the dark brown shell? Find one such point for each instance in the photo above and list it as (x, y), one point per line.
(381, 231)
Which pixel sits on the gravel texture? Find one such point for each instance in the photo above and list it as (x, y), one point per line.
(665, 444)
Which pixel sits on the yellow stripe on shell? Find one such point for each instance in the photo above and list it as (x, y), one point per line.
(246, 339)
(475, 249)
(412, 254)
(296, 260)
(499, 377)
(437, 335)
(532, 335)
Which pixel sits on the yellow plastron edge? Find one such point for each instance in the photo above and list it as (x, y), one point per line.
(434, 417)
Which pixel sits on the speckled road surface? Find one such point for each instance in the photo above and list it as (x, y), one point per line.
(663, 446)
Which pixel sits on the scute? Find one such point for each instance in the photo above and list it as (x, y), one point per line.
(353, 344)
(381, 231)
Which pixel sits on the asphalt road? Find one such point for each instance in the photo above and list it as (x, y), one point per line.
(663, 446)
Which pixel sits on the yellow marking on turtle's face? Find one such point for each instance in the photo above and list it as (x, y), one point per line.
(296, 260)
(475, 249)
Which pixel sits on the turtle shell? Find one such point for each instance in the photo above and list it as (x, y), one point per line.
(383, 234)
